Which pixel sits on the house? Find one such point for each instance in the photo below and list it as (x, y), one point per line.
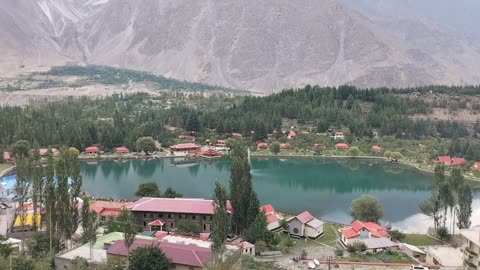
(188, 257)
(471, 247)
(443, 160)
(342, 146)
(284, 146)
(237, 135)
(220, 143)
(291, 134)
(171, 128)
(184, 149)
(339, 136)
(305, 132)
(262, 146)
(305, 225)
(208, 152)
(456, 161)
(7, 156)
(365, 232)
(192, 240)
(122, 150)
(446, 256)
(376, 148)
(319, 146)
(106, 209)
(92, 150)
(187, 137)
(172, 211)
(248, 248)
(273, 218)
(476, 166)
(414, 252)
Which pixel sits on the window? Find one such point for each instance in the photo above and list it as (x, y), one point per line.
(171, 224)
(194, 217)
(160, 216)
(204, 227)
(169, 216)
(204, 217)
(144, 223)
(295, 230)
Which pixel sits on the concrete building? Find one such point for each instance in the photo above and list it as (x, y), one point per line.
(445, 256)
(375, 237)
(64, 260)
(414, 252)
(305, 225)
(471, 247)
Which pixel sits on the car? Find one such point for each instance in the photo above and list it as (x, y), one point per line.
(2, 206)
(6, 205)
(418, 267)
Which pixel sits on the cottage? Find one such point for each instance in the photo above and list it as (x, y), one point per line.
(262, 146)
(248, 248)
(342, 146)
(339, 136)
(92, 150)
(456, 161)
(209, 152)
(376, 148)
(184, 149)
(237, 135)
(443, 160)
(273, 218)
(365, 232)
(220, 143)
(106, 209)
(305, 225)
(284, 146)
(476, 166)
(172, 211)
(7, 156)
(122, 150)
(187, 137)
(292, 134)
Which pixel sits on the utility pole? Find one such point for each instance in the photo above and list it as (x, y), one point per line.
(330, 261)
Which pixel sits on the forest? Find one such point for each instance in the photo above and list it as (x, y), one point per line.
(119, 120)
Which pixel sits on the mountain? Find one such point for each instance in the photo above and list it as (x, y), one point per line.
(244, 44)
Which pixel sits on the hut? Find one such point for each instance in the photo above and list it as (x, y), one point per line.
(262, 146)
(342, 146)
(456, 161)
(284, 146)
(292, 134)
(92, 150)
(443, 160)
(376, 148)
(476, 166)
(237, 135)
(122, 150)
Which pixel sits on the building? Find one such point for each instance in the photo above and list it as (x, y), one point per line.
(122, 150)
(220, 143)
(188, 257)
(92, 150)
(456, 161)
(28, 222)
(248, 248)
(184, 149)
(284, 146)
(192, 240)
(471, 247)
(291, 134)
(443, 160)
(476, 166)
(305, 225)
(414, 252)
(7, 156)
(106, 209)
(262, 146)
(273, 218)
(339, 136)
(187, 137)
(376, 148)
(208, 152)
(364, 232)
(342, 146)
(64, 260)
(446, 256)
(171, 211)
(237, 135)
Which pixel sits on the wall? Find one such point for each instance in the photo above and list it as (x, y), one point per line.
(313, 232)
(172, 219)
(296, 224)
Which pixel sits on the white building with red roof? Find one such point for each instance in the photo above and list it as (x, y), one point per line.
(443, 160)
(184, 149)
(305, 225)
(374, 236)
(106, 209)
(273, 217)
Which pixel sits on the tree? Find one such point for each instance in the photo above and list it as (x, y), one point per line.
(275, 148)
(189, 227)
(171, 193)
(50, 199)
(260, 246)
(366, 208)
(21, 148)
(5, 247)
(89, 225)
(22, 263)
(149, 258)
(387, 154)
(37, 185)
(356, 247)
(192, 123)
(148, 190)
(257, 231)
(431, 207)
(442, 233)
(396, 156)
(220, 222)
(21, 189)
(354, 151)
(129, 228)
(464, 209)
(397, 235)
(39, 244)
(146, 144)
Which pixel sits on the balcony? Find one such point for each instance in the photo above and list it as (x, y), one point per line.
(470, 252)
(469, 265)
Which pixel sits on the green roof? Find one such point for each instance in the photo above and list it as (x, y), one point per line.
(112, 238)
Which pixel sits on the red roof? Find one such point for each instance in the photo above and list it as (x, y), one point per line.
(43, 151)
(284, 146)
(342, 146)
(92, 149)
(443, 159)
(262, 145)
(350, 233)
(374, 229)
(234, 134)
(187, 137)
(6, 156)
(271, 218)
(376, 148)
(122, 150)
(209, 152)
(457, 161)
(267, 209)
(338, 133)
(106, 208)
(180, 254)
(292, 134)
(184, 146)
(476, 166)
(220, 142)
(157, 222)
(173, 205)
(305, 217)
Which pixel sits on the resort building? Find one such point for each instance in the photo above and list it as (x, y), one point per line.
(220, 143)
(443, 160)
(376, 148)
(7, 156)
(273, 218)
(92, 150)
(476, 166)
(170, 212)
(305, 225)
(292, 134)
(262, 146)
(122, 150)
(375, 237)
(284, 146)
(456, 161)
(106, 209)
(338, 136)
(414, 252)
(471, 247)
(192, 240)
(187, 137)
(342, 146)
(184, 149)
(237, 135)
(208, 152)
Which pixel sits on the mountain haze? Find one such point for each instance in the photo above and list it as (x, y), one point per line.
(247, 44)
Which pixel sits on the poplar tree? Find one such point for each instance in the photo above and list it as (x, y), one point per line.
(464, 209)
(89, 225)
(21, 189)
(50, 199)
(62, 206)
(37, 186)
(220, 221)
(74, 189)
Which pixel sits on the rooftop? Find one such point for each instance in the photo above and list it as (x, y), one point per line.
(267, 208)
(472, 234)
(446, 256)
(99, 255)
(172, 205)
(111, 238)
(383, 242)
(305, 217)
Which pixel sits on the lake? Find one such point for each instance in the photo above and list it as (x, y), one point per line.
(325, 187)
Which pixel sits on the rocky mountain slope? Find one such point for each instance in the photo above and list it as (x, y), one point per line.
(247, 44)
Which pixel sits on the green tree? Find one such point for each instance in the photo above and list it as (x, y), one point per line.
(387, 154)
(38, 245)
(89, 225)
(396, 156)
(50, 200)
(220, 222)
(192, 123)
(464, 209)
(37, 189)
(148, 190)
(189, 227)
(397, 235)
(442, 233)
(258, 231)
(129, 228)
(431, 207)
(275, 148)
(149, 258)
(5, 247)
(171, 193)
(354, 151)
(260, 246)
(366, 208)
(21, 189)
(21, 148)
(146, 144)
(22, 263)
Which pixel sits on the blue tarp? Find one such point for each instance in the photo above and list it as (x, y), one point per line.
(7, 186)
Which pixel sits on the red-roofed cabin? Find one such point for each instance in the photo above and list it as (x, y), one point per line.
(292, 134)
(273, 218)
(443, 160)
(220, 143)
(362, 230)
(184, 149)
(106, 209)
(209, 152)
(339, 136)
(376, 148)
(92, 150)
(7, 156)
(187, 137)
(262, 146)
(305, 225)
(284, 146)
(457, 161)
(237, 135)
(342, 146)
(122, 150)
(476, 166)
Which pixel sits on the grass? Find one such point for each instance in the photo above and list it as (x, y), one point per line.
(4, 166)
(386, 257)
(421, 240)
(329, 236)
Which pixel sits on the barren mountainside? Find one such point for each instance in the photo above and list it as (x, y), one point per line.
(257, 45)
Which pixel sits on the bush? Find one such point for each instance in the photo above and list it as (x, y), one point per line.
(304, 254)
(339, 252)
(189, 227)
(442, 233)
(397, 235)
(356, 247)
(260, 246)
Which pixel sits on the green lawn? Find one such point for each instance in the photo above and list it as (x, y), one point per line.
(421, 240)
(387, 257)
(4, 166)
(329, 236)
